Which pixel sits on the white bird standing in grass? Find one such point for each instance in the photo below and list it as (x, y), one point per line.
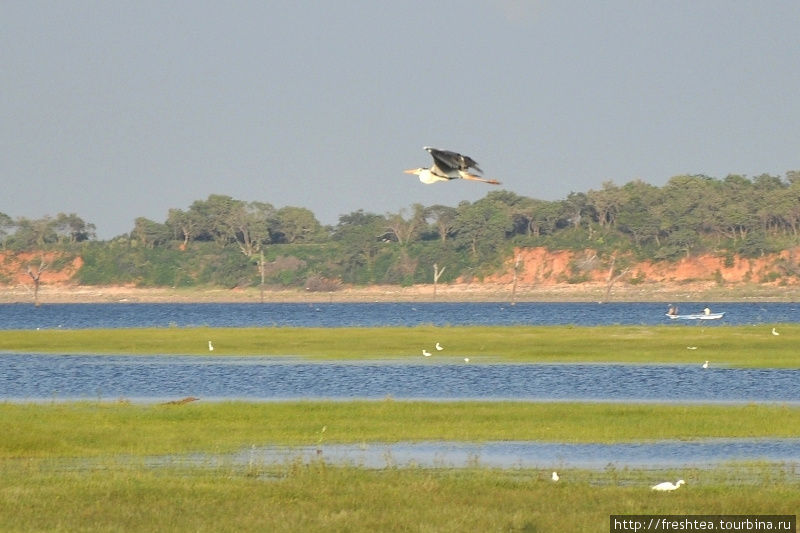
(439, 347)
(668, 486)
(426, 353)
(554, 477)
(775, 332)
(448, 166)
(210, 347)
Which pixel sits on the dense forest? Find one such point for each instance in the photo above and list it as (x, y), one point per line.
(228, 242)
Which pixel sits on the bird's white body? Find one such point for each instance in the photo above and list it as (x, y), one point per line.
(210, 347)
(466, 359)
(439, 347)
(427, 177)
(554, 477)
(426, 353)
(775, 332)
(705, 365)
(667, 486)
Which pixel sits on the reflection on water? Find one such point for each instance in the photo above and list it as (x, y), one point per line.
(659, 454)
(146, 378)
(746, 459)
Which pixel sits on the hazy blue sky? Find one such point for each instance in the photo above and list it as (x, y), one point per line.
(114, 110)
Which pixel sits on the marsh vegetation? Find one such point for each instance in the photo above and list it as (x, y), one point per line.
(35, 495)
(86, 466)
(736, 346)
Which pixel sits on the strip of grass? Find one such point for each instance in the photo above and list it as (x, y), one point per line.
(319, 497)
(108, 429)
(740, 346)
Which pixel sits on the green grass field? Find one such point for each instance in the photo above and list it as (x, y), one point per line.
(738, 346)
(108, 429)
(82, 466)
(35, 496)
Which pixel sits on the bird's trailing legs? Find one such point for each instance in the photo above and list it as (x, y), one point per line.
(471, 177)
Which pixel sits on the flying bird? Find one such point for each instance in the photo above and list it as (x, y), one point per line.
(447, 166)
(668, 486)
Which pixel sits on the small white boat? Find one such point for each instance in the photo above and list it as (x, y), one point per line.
(697, 316)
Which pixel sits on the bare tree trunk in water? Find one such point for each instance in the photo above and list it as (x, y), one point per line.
(261, 271)
(436, 275)
(36, 276)
(611, 279)
(514, 286)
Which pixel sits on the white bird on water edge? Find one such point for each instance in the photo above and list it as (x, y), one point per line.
(448, 166)
(210, 347)
(666, 486)
(426, 353)
(705, 365)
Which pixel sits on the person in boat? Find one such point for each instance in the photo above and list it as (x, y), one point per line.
(707, 311)
(673, 310)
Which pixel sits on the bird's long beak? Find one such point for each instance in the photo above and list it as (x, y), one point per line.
(411, 171)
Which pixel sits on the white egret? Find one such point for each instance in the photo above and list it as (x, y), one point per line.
(448, 166)
(705, 365)
(554, 477)
(426, 353)
(668, 486)
(466, 359)
(691, 347)
(210, 347)
(439, 347)
(775, 332)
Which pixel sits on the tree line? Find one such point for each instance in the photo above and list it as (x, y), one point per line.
(225, 241)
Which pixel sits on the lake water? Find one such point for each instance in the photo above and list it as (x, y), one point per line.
(155, 378)
(134, 315)
(525, 454)
(38, 377)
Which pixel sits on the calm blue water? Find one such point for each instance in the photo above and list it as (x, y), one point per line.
(35, 377)
(131, 315)
(527, 454)
(155, 378)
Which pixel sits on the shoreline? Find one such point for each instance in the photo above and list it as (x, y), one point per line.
(462, 292)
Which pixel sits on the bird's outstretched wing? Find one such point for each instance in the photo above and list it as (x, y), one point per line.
(447, 160)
